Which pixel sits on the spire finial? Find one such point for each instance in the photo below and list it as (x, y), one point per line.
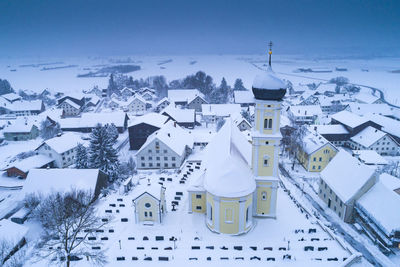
(270, 52)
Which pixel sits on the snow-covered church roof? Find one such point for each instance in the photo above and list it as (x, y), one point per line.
(268, 80)
(227, 163)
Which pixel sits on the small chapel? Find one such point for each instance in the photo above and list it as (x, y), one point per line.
(239, 180)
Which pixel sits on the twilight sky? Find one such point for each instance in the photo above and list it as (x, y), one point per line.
(158, 27)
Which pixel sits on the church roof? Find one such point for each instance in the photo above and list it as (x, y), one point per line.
(227, 170)
(267, 86)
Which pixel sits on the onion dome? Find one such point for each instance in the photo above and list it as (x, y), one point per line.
(267, 86)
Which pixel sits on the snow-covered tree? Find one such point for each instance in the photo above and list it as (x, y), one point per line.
(9, 257)
(5, 87)
(65, 217)
(239, 85)
(160, 85)
(112, 131)
(49, 129)
(81, 157)
(221, 94)
(102, 154)
(246, 114)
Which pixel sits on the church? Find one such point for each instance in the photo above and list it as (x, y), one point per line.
(238, 181)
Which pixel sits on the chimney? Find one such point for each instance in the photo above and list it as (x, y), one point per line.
(175, 124)
(148, 182)
(169, 135)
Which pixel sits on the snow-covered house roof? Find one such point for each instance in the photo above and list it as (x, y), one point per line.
(12, 232)
(184, 95)
(362, 109)
(370, 157)
(314, 141)
(391, 182)
(389, 125)
(243, 97)
(227, 163)
(329, 129)
(26, 164)
(349, 119)
(11, 97)
(180, 115)
(63, 143)
(326, 87)
(306, 110)
(366, 98)
(371, 202)
(165, 99)
(90, 120)
(336, 175)
(152, 118)
(71, 103)
(21, 125)
(137, 98)
(22, 105)
(46, 181)
(153, 189)
(173, 136)
(221, 110)
(368, 136)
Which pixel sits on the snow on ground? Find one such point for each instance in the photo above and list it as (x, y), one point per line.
(269, 238)
(375, 72)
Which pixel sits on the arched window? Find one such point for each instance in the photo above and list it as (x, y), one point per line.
(267, 123)
(270, 124)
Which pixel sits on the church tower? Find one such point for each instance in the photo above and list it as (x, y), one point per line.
(268, 92)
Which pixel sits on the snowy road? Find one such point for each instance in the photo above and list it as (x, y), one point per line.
(374, 257)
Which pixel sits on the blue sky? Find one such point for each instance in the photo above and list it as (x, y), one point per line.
(156, 27)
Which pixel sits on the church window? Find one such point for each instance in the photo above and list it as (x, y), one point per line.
(198, 196)
(198, 207)
(267, 123)
(247, 214)
(266, 161)
(145, 214)
(150, 214)
(228, 215)
(264, 195)
(147, 205)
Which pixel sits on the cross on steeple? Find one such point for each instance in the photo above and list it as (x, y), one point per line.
(270, 52)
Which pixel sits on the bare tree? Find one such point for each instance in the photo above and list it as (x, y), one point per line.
(11, 255)
(68, 220)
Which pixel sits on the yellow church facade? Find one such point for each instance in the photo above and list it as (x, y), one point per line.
(239, 181)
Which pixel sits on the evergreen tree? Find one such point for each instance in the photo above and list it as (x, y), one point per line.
(102, 154)
(239, 85)
(112, 131)
(5, 87)
(81, 157)
(221, 94)
(112, 87)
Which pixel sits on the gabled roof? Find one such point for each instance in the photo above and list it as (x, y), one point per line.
(180, 115)
(314, 141)
(22, 105)
(162, 101)
(366, 98)
(45, 181)
(136, 97)
(389, 125)
(220, 110)
(349, 119)
(368, 136)
(389, 181)
(90, 120)
(172, 136)
(26, 164)
(21, 125)
(371, 203)
(337, 175)
(330, 129)
(370, 157)
(184, 95)
(71, 103)
(154, 119)
(227, 160)
(143, 187)
(63, 143)
(243, 97)
(363, 109)
(11, 97)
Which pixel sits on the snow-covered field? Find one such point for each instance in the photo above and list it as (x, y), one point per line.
(375, 72)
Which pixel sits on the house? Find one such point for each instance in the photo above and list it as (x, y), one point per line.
(166, 148)
(22, 108)
(339, 190)
(149, 202)
(382, 223)
(352, 122)
(115, 103)
(147, 93)
(136, 105)
(87, 121)
(163, 103)
(93, 100)
(78, 99)
(215, 112)
(365, 98)
(337, 134)
(332, 104)
(242, 123)
(70, 108)
(22, 167)
(244, 98)
(186, 98)
(61, 149)
(370, 157)
(11, 97)
(316, 152)
(142, 127)
(183, 117)
(13, 234)
(21, 129)
(304, 114)
(363, 109)
(385, 124)
(374, 139)
(46, 181)
(127, 92)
